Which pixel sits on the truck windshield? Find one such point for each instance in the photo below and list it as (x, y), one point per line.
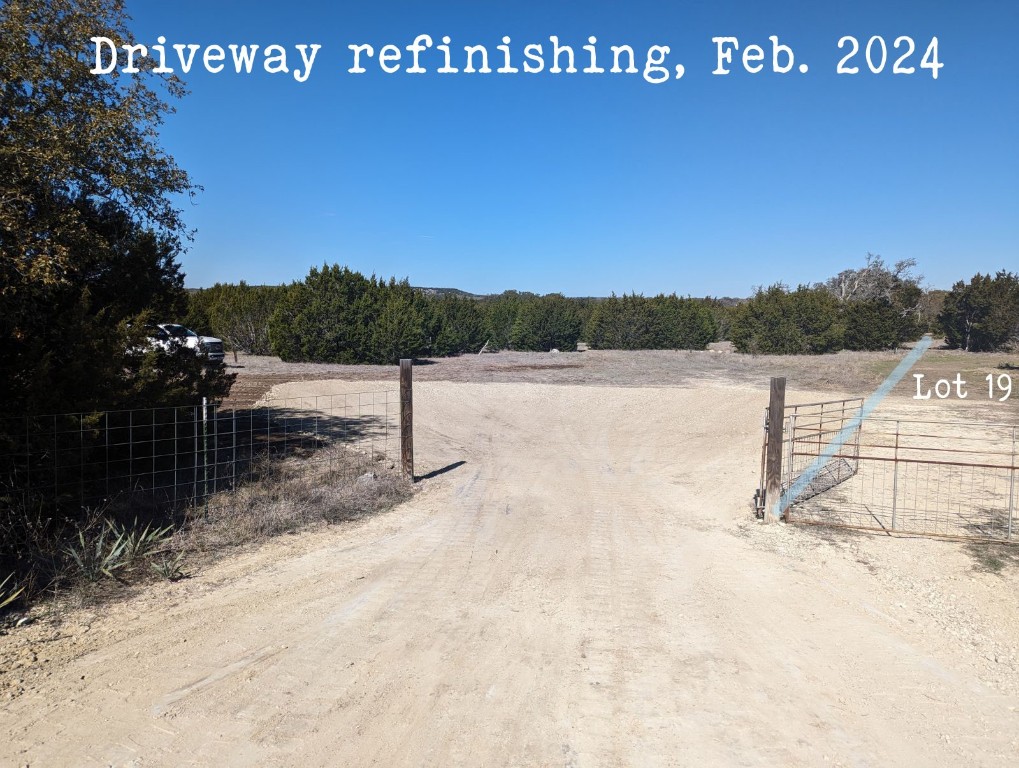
(179, 331)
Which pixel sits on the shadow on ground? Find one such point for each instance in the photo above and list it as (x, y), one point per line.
(993, 558)
(441, 471)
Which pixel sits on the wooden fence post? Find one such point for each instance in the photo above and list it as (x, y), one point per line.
(407, 419)
(773, 464)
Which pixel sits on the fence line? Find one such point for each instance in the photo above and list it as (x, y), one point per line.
(184, 455)
(949, 479)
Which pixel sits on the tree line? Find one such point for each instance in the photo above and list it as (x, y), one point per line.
(871, 308)
(877, 307)
(338, 315)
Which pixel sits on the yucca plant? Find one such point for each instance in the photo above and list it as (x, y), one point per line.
(169, 567)
(100, 557)
(140, 543)
(9, 594)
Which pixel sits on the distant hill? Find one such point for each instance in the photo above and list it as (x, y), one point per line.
(726, 301)
(450, 292)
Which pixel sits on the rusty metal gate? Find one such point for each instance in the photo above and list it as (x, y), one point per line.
(805, 431)
(949, 479)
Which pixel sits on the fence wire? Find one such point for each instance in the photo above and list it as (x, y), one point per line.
(932, 478)
(185, 456)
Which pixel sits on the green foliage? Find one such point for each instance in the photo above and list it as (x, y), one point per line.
(140, 542)
(8, 594)
(500, 314)
(931, 304)
(89, 232)
(337, 315)
(99, 556)
(722, 315)
(322, 319)
(238, 314)
(176, 377)
(77, 349)
(169, 566)
(778, 321)
(584, 308)
(662, 322)
(457, 325)
(100, 550)
(880, 307)
(874, 324)
(399, 327)
(546, 323)
(982, 315)
(69, 136)
(624, 323)
(870, 308)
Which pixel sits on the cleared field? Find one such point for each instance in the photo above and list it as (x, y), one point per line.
(578, 583)
(848, 372)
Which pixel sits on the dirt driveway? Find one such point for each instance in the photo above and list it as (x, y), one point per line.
(582, 586)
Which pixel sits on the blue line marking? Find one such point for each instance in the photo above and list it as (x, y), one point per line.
(872, 402)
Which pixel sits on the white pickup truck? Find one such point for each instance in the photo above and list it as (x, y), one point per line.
(166, 334)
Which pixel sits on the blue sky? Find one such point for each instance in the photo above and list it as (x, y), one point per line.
(586, 184)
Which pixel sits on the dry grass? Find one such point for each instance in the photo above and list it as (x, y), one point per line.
(101, 560)
(337, 485)
(993, 558)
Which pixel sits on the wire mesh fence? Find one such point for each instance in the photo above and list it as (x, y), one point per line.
(933, 478)
(185, 456)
